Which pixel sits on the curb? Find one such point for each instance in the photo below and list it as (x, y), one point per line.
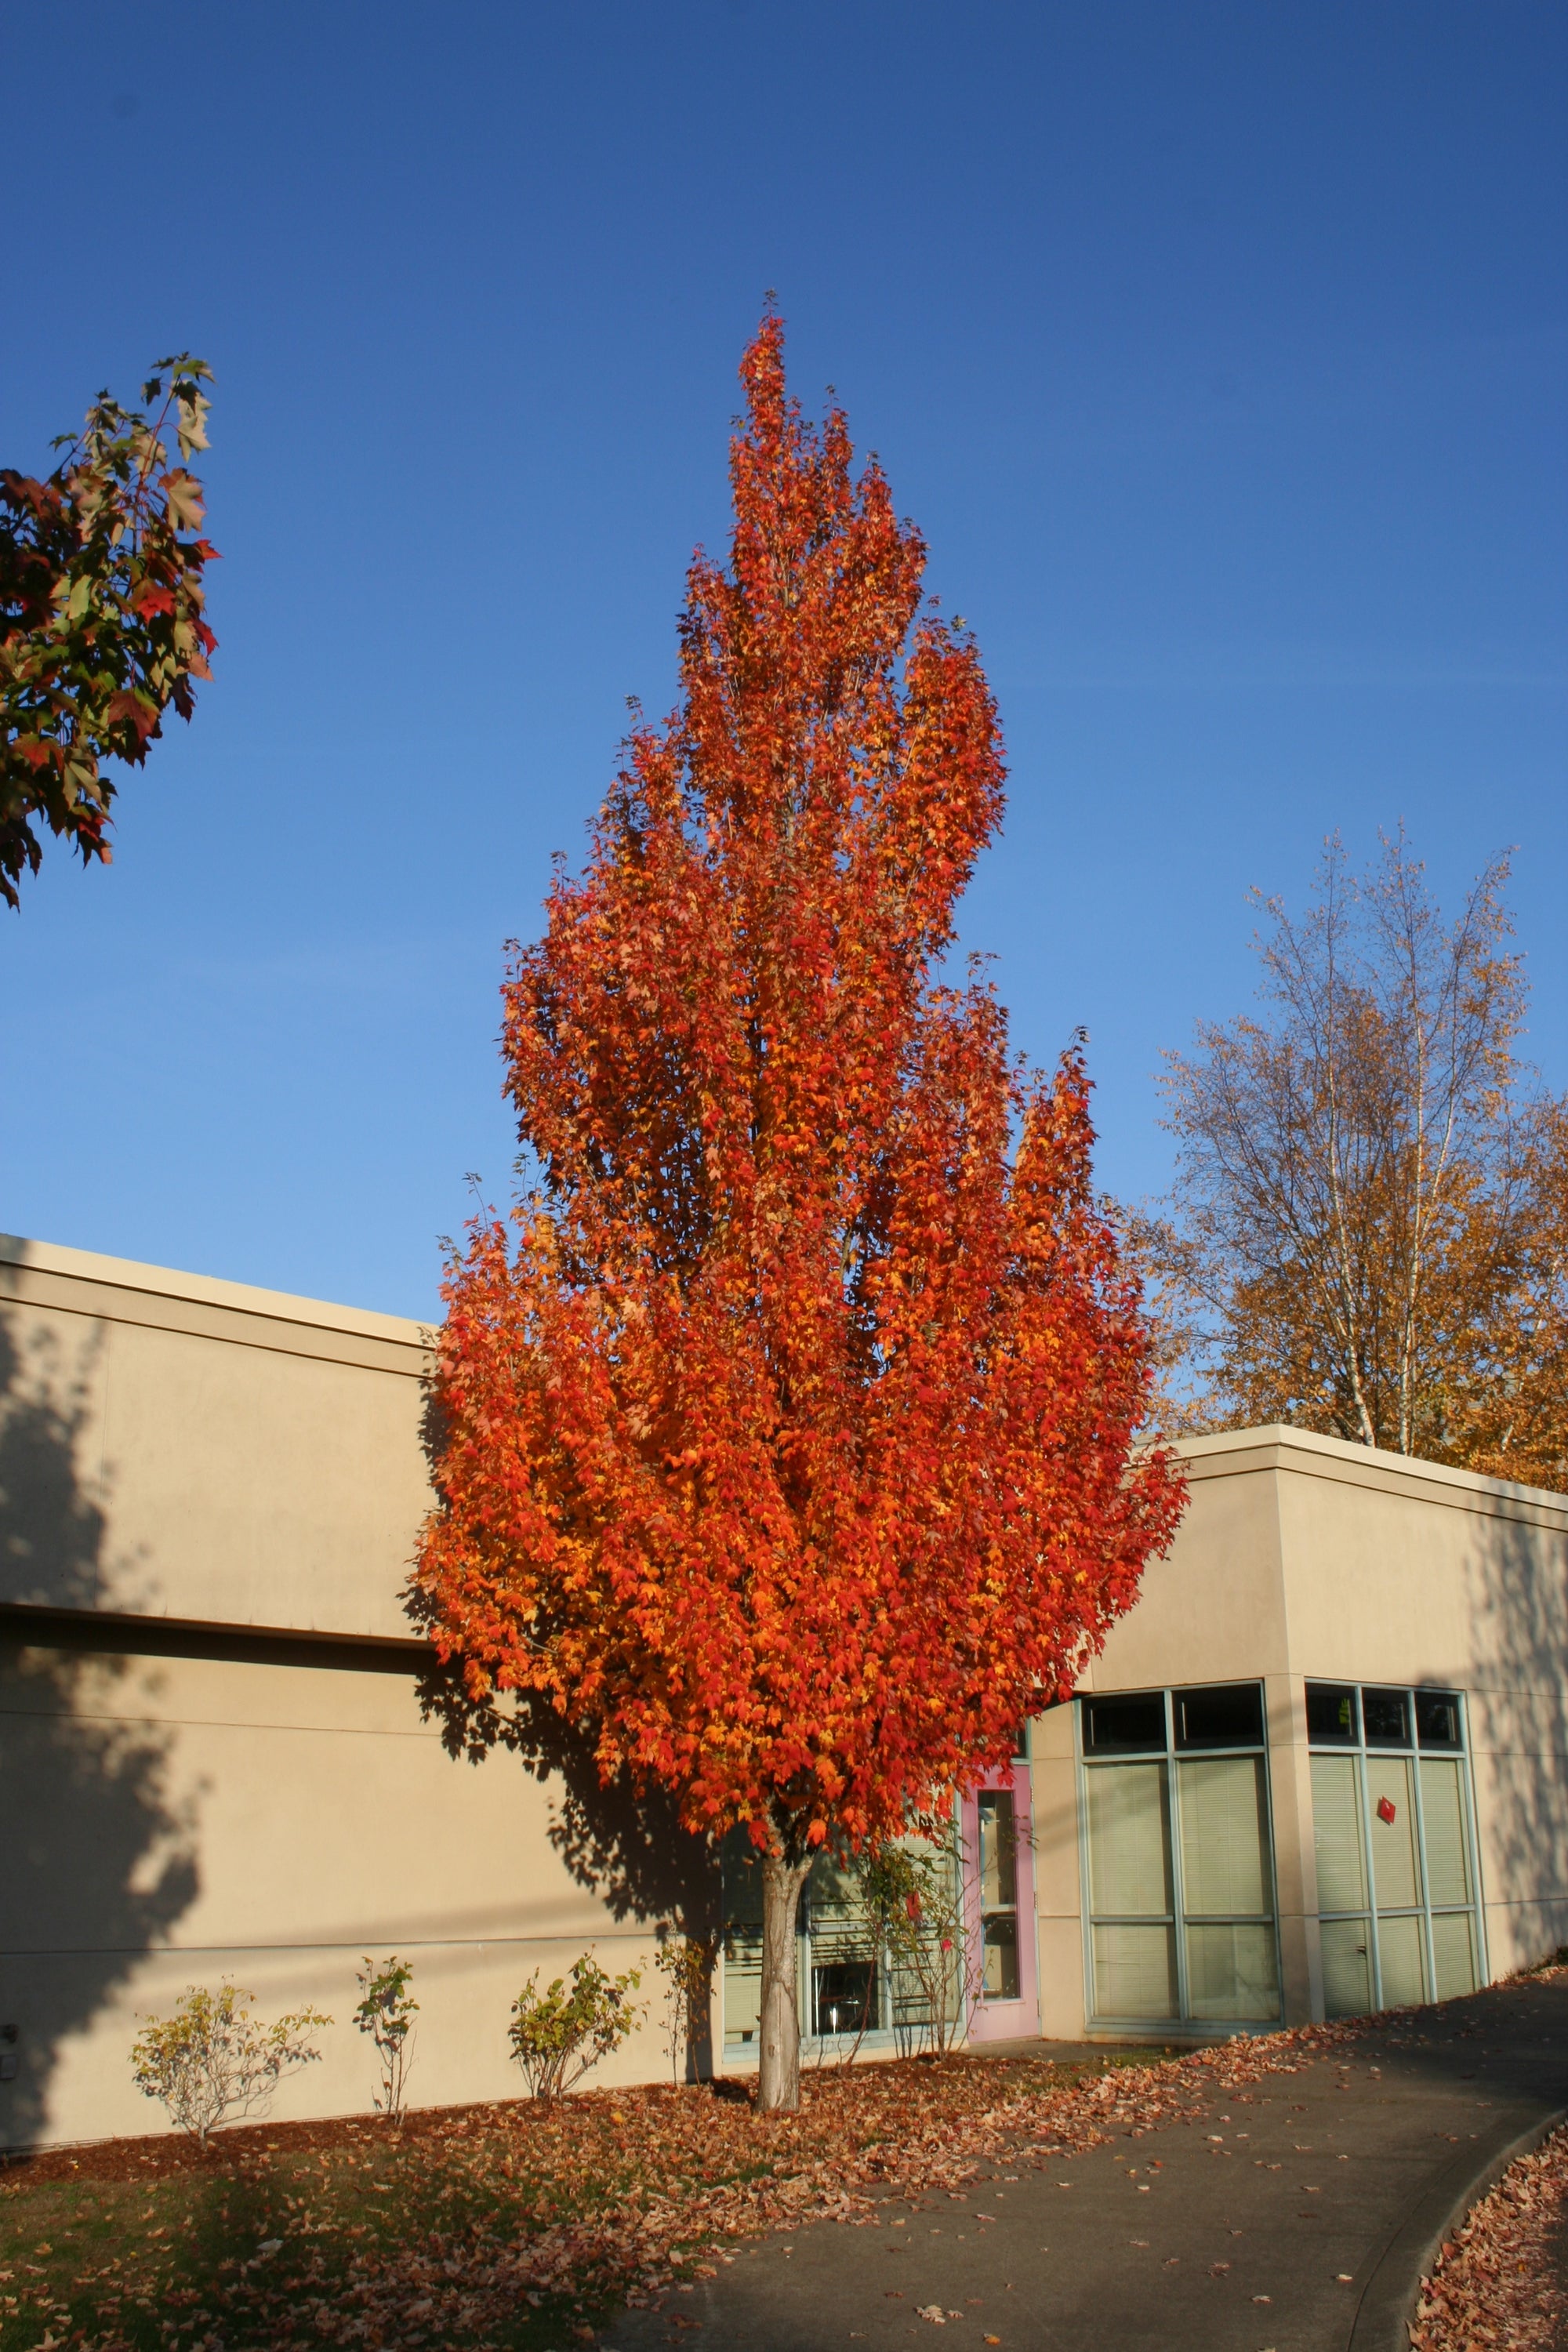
(1388, 2299)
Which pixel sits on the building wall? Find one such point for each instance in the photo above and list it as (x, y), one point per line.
(1301, 1557)
(216, 1758)
(181, 1448)
(223, 1752)
(1407, 1572)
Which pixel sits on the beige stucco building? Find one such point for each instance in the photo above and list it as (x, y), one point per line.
(1323, 1761)
(1405, 1630)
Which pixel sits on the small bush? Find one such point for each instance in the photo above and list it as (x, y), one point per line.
(212, 2063)
(557, 2035)
(686, 1964)
(386, 2013)
(915, 1898)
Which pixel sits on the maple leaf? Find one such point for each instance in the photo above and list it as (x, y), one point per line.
(183, 497)
(101, 624)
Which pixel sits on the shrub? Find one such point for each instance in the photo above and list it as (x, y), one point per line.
(915, 1898)
(386, 2013)
(557, 2035)
(213, 2062)
(686, 1964)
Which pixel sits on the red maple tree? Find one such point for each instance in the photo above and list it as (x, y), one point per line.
(789, 1438)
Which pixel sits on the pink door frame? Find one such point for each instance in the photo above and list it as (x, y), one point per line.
(1003, 2021)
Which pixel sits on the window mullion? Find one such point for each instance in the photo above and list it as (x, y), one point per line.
(1425, 1887)
(1472, 1842)
(1178, 1883)
(1374, 1949)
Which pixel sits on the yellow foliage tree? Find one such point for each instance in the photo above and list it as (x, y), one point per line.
(1368, 1231)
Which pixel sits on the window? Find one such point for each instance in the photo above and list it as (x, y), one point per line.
(1178, 1856)
(1113, 1725)
(1228, 1718)
(1386, 1718)
(850, 1990)
(1399, 1915)
(999, 1974)
(1332, 1715)
(1437, 1719)
(846, 1997)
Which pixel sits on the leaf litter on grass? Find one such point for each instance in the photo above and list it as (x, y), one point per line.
(518, 2224)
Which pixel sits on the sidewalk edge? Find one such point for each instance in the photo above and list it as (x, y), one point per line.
(1388, 2299)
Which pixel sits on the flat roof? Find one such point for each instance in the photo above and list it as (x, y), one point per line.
(206, 1290)
(1276, 1445)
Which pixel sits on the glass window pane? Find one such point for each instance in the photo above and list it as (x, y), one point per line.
(846, 1997)
(1129, 1842)
(999, 1978)
(1399, 1952)
(1347, 1968)
(1331, 1713)
(1336, 1815)
(1230, 1716)
(1453, 1951)
(998, 1850)
(742, 1983)
(1225, 1828)
(743, 1882)
(1134, 1972)
(1124, 1723)
(1437, 1718)
(1443, 1825)
(1387, 1716)
(1232, 1971)
(1391, 1833)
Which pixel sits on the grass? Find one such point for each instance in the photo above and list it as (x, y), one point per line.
(245, 2241)
(511, 2226)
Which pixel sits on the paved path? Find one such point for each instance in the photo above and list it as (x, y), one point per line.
(1295, 2215)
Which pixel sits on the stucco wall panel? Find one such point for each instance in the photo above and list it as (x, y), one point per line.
(275, 1824)
(1053, 1774)
(1300, 1558)
(299, 1505)
(195, 1474)
(466, 1992)
(1380, 1587)
(1212, 1609)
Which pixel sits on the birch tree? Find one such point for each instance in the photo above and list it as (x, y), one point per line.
(1360, 1237)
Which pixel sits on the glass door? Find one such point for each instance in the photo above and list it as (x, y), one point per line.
(1395, 1844)
(999, 1903)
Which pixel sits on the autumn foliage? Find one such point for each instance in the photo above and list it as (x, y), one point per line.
(102, 625)
(1369, 1233)
(789, 1431)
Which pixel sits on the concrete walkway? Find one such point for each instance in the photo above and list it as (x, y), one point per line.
(1297, 2216)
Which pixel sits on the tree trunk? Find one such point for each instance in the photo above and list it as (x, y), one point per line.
(778, 2075)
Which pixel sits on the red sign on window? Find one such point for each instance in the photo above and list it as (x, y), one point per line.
(1385, 1809)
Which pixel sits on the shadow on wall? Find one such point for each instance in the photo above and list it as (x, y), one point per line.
(1519, 1731)
(99, 1864)
(630, 1851)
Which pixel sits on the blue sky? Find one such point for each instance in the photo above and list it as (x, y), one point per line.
(1220, 350)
